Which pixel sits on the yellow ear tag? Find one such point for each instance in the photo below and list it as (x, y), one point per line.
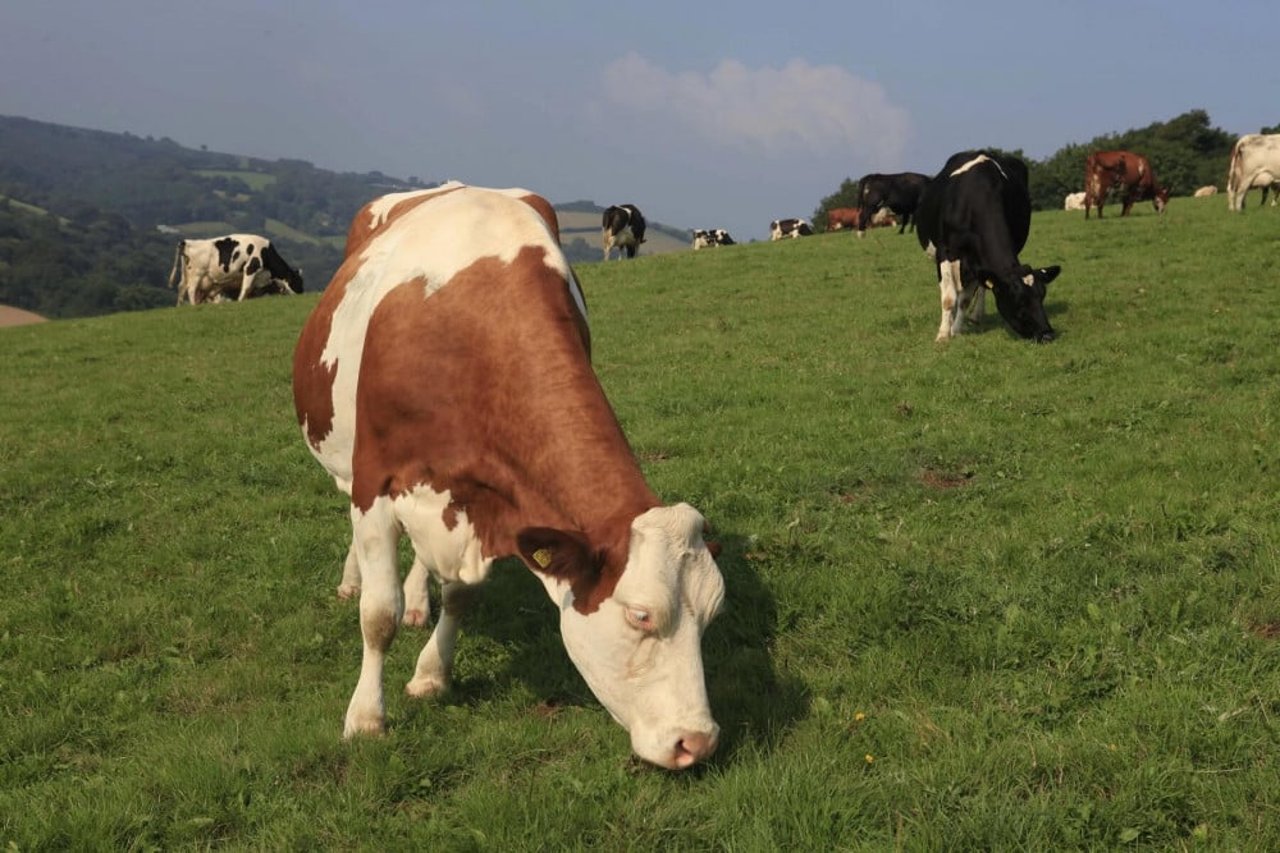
(542, 557)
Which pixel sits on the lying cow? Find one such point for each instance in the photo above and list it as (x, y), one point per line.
(443, 381)
(973, 220)
(709, 238)
(1205, 192)
(1074, 201)
(782, 229)
(622, 225)
(246, 265)
(899, 192)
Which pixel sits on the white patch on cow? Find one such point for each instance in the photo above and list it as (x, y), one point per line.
(434, 241)
(931, 250)
(981, 158)
(451, 555)
(1028, 279)
(651, 681)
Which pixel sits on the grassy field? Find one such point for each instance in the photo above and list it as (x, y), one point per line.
(981, 595)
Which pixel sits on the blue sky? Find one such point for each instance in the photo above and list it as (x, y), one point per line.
(705, 115)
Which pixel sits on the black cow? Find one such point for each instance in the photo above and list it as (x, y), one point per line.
(900, 192)
(973, 220)
(623, 226)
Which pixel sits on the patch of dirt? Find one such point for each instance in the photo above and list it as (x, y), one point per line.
(17, 317)
(939, 479)
(1267, 631)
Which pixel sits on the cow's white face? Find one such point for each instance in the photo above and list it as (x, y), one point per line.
(640, 652)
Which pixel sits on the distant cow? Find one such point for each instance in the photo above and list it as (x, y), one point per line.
(622, 225)
(246, 265)
(973, 221)
(1255, 162)
(1205, 192)
(443, 381)
(1074, 201)
(900, 192)
(371, 218)
(1130, 173)
(839, 218)
(709, 238)
(780, 229)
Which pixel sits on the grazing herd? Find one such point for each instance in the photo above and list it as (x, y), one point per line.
(444, 381)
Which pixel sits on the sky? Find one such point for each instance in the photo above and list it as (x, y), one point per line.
(705, 115)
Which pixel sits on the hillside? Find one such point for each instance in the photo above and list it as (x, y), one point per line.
(980, 596)
(89, 219)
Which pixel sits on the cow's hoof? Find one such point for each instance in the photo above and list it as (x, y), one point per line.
(425, 688)
(414, 618)
(363, 725)
(348, 590)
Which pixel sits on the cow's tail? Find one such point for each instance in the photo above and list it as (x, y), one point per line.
(177, 262)
(1234, 169)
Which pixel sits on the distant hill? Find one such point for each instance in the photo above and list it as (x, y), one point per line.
(89, 219)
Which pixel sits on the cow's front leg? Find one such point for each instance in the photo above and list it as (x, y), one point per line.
(376, 534)
(435, 664)
(949, 287)
(246, 285)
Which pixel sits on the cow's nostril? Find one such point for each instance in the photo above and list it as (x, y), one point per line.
(692, 748)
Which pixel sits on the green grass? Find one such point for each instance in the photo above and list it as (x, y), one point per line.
(981, 595)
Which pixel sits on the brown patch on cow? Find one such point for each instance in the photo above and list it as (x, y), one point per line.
(936, 478)
(484, 388)
(379, 630)
(544, 209)
(312, 380)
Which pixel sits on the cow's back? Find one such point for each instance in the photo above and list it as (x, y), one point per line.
(386, 300)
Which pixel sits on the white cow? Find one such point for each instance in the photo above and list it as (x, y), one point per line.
(1074, 201)
(1255, 162)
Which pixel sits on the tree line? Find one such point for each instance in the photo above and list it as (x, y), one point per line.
(1186, 152)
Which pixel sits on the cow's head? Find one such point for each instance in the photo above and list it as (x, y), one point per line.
(639, 648)
(1020, 300)
(1161, 199)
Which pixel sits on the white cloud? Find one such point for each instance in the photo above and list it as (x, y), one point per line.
(800, 108)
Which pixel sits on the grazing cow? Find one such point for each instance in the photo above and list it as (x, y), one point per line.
(704, 238)
(839, 218)
(1255, 162)
(1074, 201)
(370, 219)
(780, 229)
(1205, 192)
(1106, 169)
(900, 192)
(244, 264)
(622, 226)
(973, 221)
(443, 381)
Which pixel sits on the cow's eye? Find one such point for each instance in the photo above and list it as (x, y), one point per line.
(641, 620)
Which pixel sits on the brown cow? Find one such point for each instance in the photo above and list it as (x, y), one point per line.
(1106, 169)
(848, 217)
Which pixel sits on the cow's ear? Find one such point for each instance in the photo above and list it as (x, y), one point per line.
(1044, 275)
(714, 547)
(556, 553)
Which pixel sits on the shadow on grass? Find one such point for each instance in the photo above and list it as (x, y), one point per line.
(515, 639)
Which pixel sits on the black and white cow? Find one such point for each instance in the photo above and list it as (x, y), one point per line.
(780, 229)
(710, 238)
(242, 264)
(623, 226)
(900, 192)
(973, 220)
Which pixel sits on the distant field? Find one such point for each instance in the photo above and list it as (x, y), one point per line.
(256, 181)
(984, 595)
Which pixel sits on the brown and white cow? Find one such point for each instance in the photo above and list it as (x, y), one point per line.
(1125, 170)
(240, 265)
(1255, 162)
(443, 381)
(373, 216)
(839, 218)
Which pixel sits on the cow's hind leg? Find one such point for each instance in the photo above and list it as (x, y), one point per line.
(376, 536)
(417, 596)
(350, 585)
(435, 663)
